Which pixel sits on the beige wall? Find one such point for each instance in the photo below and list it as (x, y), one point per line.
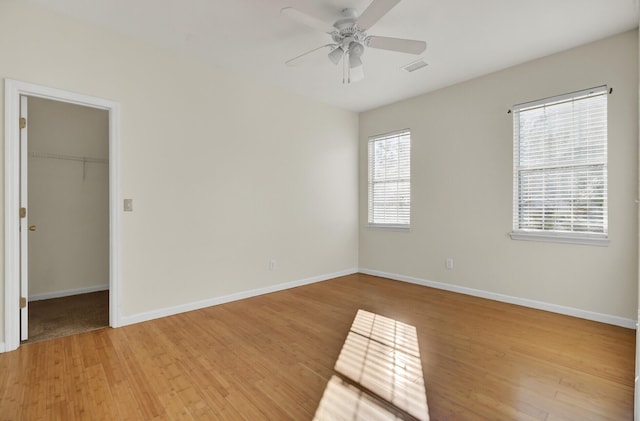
(462, 186)
(225, 172)
(69, 205)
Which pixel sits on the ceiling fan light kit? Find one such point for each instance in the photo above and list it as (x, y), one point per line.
(336, 55)
(350, 39)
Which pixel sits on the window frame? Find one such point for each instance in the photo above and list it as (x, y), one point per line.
(370, 202)
(558, 236)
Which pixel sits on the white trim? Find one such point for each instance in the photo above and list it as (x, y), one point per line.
(115, 259)
(11, 231)
(636, 391)
(563, 238)
(196, 305)
(525, 302)
(24, 222)
(2, 349)
(391, 227)
(67, 292)
(388, 135)
(12, 91)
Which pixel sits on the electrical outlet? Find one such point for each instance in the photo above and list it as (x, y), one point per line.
(449, 263)
(273, 265)
(128, 205)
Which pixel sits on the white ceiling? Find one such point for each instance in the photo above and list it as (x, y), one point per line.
(465, 38)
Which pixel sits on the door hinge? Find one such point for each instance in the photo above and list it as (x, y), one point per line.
(23, 302)
(23, 122)
(23, 212)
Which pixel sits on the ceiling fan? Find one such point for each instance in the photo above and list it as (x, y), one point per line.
(350, 38)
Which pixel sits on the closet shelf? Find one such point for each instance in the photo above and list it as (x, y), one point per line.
(85, 159)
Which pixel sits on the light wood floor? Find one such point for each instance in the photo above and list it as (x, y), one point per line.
(270, 357)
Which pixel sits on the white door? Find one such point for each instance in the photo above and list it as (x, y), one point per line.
(24, 225)
(15, 233)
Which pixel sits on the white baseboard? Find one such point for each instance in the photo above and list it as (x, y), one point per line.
(67, 292)
(170, 311)
(540, 305)
(2, 348)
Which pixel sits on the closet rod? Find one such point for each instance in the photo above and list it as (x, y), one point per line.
(68, 157)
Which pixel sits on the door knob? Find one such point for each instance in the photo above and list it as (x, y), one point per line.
(32, 227)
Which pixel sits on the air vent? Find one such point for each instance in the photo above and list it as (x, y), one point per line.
(414, 65)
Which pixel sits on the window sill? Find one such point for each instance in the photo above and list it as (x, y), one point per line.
(564, 238)
(390, 227)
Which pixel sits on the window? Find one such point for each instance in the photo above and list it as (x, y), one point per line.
(560, 168)
(390, 179)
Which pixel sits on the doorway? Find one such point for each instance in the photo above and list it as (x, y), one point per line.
(16, 296)
(67, 208)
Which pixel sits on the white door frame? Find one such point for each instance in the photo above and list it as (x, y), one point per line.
(24, 222)
(13, 89)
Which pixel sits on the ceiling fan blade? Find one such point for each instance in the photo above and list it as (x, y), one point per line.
(410, 46)
(299, 59)
(307, 19)
(373, 13)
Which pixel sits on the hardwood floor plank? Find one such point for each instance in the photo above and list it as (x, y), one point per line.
(142, 389)
(284, 396)
(76, 390)
(270, 357)
(55, 371)
(125, 402)
(174, 407)
(246, 406)
(102, 401)
(36, 383)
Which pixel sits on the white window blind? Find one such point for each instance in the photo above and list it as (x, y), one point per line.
(560, 166)
(390, 179)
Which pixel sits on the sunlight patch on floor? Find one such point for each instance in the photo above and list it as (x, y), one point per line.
(379, 373)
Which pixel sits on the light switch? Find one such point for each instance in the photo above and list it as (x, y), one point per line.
(128, 205)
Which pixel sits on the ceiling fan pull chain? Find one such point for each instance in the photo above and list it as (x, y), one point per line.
(348, 66)
(344, 70)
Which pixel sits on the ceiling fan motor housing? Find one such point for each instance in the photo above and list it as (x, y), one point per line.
(347, 29)
(349, 36)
